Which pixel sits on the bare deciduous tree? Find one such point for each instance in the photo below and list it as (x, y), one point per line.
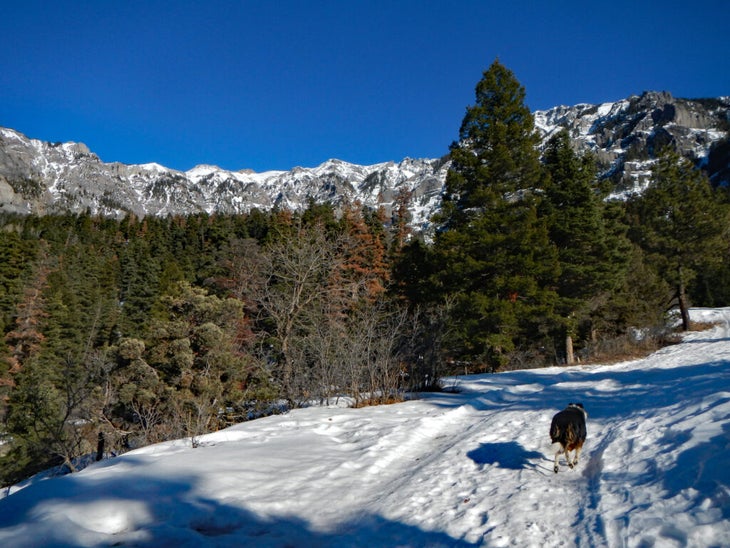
(297, 271)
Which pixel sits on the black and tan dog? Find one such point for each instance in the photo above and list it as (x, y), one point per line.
(569, 429)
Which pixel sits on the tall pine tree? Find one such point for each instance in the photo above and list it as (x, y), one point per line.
(591, 251)
(493, 252)
(680, 222)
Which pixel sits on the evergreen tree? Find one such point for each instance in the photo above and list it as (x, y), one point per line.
(491, 247)
(65, 317)
(592, 254)
(414, 274)
(400, 218)
(139, 285)
(639, 301)
(54, 411)
(16, 262)
(680, 222)
(194, 345)
(20, 345)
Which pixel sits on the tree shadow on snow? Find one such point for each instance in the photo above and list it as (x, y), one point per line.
(142, 510)
(510, 455)
(706, 340)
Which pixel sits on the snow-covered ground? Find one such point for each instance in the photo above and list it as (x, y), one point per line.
(472, 468)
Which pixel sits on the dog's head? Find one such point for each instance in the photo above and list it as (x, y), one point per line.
(578, 406)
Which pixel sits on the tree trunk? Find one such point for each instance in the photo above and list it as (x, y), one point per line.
(100, 447)
(682, 298)
(683, 308)
(569, 356)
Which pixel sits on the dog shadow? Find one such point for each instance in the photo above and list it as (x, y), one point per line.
(510, 455)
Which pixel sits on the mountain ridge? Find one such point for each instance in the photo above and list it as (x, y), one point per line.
(625, 136)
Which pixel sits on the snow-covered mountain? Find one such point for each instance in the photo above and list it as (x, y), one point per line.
(40, 177)
(627, 135)
(469, 468)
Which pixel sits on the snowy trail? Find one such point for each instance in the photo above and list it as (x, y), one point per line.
(472, 468)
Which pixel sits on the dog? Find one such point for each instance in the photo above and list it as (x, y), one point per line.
(569, 429)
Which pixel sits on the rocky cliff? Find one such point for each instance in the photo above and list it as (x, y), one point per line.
(627, 135)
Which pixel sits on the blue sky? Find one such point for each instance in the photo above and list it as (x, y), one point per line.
(273, 85)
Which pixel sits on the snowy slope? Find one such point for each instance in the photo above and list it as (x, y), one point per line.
(455, 469)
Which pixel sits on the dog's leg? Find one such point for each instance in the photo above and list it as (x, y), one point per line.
(577, 454)
(557, 455)
(567, 456)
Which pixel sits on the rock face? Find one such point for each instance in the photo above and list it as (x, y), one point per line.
(39, 178)
(627, 136)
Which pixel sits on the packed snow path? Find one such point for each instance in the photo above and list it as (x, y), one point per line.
(471, 468)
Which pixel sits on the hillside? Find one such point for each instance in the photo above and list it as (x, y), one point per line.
(625, 136)
(468, 468)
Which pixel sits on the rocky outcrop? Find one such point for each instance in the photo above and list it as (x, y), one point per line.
(627, 136)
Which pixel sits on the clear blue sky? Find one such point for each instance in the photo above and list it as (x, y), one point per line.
(278, 84)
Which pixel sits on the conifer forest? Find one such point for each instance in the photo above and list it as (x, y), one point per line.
(118, 333)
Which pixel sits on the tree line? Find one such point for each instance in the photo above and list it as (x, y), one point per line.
(116, 333)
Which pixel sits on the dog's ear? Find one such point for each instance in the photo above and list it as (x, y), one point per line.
(579, 405)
